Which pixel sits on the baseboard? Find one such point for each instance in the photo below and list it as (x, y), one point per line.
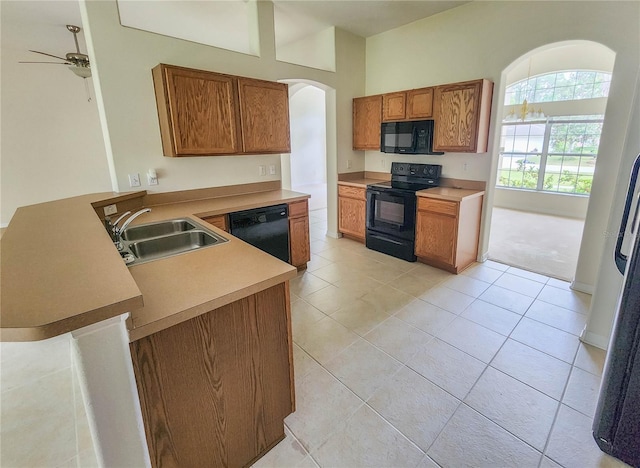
(594, 339)
(582, 287)
(334, 235)
(484, 257)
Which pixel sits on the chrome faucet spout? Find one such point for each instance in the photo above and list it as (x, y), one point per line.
(124, 215)
(132, 217)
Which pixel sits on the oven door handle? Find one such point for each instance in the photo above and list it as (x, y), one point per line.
(386, 239)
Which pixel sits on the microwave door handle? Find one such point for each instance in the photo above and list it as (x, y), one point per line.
(619, 257)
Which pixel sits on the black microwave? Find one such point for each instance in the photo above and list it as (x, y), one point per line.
(407, 137)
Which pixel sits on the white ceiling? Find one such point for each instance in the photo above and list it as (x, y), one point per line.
(296, 19)
(40, 25)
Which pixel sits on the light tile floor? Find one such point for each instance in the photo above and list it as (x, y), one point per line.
(396, 364)
(400, 364)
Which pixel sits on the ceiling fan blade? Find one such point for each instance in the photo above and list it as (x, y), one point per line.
(50, 55)
(52, 63)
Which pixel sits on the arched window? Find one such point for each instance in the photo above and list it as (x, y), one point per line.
(552, 153)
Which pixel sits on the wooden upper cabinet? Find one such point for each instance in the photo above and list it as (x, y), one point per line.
(367, 116)
(264, 112)
(461, 114)
(394, 106)
(419, 104)
(204, 113)
(415, 104)
(196, 111)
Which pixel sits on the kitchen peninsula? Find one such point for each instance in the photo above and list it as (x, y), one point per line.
(207, 342)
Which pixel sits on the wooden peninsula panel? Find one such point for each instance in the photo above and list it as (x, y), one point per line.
(214, 390)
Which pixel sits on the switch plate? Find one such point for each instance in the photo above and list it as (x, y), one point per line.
(110, 210)
(349, 164)
(262, 170)
(152, 179)
(134, 180)
(272, 169)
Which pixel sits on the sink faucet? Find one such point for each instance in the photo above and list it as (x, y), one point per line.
(116, 232)
(132, 217)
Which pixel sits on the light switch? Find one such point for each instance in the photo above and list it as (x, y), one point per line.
(272, 169)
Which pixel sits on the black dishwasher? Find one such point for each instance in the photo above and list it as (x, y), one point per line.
(265, 228)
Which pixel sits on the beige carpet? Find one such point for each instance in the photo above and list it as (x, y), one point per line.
(544, 244)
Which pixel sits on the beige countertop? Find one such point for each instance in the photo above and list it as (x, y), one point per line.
(60, 270)
(449, 193)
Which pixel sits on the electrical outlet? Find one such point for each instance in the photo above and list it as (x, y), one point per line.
(272, 169)
(464, 167)
(110, 210)
(134, 180)
(349, 164)
(262, 170)
(383, 163)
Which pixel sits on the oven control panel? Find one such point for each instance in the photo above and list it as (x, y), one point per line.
(428, 171)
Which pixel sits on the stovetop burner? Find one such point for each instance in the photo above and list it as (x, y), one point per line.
(411, 177)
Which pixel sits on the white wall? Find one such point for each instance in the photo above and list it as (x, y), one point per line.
(609, 282)
(308, 133)
(316, 51)
(481, 40)
(124, 58)
(557, 204)
(51, 145)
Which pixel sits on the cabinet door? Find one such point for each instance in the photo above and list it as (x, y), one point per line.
(367, 115)
(393, 106)
(436, 236)
(456, 115)
(299, 249)
(196, 111)
(264, 112)
(352, 215)
(420, 104)
(299, 241)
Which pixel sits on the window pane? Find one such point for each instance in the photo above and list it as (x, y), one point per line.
(559, 86)
(572, 142)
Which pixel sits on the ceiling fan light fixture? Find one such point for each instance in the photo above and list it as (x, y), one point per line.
(82, 72)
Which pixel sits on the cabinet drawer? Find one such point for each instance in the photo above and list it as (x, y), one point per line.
(438, 206)
(298, 209)
(352, 192)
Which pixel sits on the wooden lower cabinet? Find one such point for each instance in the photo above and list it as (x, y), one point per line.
(219, 221)
(447, 232)
(299, 247)
(352, 212)
(214, 390)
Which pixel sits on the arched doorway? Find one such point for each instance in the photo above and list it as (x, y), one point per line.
(551, 119)
(307, 163)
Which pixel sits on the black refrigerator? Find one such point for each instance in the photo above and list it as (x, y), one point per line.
(616, 425)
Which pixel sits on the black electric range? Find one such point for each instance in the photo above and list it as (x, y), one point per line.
(391, 208)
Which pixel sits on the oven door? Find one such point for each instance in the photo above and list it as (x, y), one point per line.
(391, 212)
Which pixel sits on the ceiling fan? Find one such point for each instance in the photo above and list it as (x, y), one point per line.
(78, 63)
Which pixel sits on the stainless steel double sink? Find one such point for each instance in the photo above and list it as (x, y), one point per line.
(152, 241)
